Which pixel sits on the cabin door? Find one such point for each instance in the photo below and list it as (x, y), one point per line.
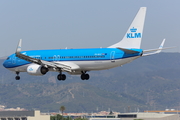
(112, 56)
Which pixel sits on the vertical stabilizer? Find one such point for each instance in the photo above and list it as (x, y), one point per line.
(133, 36)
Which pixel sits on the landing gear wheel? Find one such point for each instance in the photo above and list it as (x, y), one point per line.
(17, 77)
(61, 77)
(85, 76)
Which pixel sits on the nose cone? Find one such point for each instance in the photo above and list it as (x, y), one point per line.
(5, 64)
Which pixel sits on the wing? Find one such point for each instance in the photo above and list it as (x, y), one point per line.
(150, 52)
(55, 65)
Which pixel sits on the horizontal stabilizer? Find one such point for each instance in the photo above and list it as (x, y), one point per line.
(127, 51)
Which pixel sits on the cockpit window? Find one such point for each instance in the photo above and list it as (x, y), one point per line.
(8, 58)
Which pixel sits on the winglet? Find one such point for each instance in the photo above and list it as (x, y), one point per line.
(19, 46)
(156, 50)
(160, 47)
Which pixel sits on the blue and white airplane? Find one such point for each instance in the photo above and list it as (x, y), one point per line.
(81, 61)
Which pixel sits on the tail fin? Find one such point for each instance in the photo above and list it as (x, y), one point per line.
(133, 36)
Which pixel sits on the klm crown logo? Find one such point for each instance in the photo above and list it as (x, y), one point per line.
(133, 29)
(30, 69)
(133, 33)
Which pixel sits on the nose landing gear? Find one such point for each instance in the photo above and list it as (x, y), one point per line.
(17, 77)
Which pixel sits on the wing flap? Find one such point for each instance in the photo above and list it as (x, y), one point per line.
(57, 65)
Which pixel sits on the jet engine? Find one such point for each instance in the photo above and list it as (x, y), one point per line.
(37, 70)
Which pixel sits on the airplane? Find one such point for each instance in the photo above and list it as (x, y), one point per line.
(81, 61)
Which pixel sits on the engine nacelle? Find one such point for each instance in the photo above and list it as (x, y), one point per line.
(37, 70)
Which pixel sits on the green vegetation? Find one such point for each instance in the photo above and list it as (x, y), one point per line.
(62, 109)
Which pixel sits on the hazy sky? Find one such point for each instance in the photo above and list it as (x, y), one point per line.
(53, 24)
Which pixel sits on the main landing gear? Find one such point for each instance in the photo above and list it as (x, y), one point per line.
(85, 76)
(17, 77)
(61, 76)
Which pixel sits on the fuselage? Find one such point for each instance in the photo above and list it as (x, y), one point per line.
(85, 59)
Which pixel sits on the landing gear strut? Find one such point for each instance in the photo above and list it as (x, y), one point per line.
(61, 76)
(17, 77)
(85, 76)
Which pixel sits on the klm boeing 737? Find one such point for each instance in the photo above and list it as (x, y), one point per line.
(81, 61)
